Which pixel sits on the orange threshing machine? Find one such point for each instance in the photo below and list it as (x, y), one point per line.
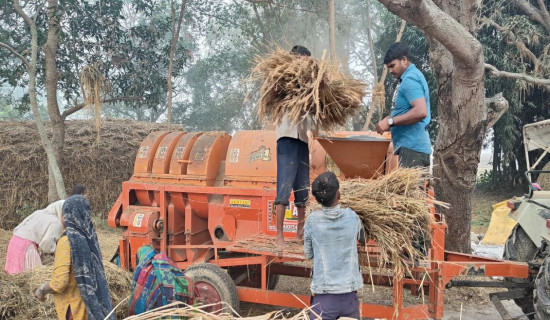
(206, 199)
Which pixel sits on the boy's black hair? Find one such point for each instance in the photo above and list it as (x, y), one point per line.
(325, 188)
(397, 50)
(78, 189)
(300, 51)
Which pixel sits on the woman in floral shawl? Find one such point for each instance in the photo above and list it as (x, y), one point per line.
(157, 282)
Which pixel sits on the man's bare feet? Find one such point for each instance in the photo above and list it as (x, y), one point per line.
(280, 242)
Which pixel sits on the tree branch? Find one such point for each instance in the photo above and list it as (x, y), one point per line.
(80, 106)
(518, 44)
(426, 15)
(496, 106)
(533, 13)
(17, 54)
(521, 76)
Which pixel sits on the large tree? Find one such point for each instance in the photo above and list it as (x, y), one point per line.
(131, 53)
(458, 62)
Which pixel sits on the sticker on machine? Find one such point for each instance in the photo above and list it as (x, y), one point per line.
(142, 152)
(138, 219)
(239, 203)
(290, 223)
(234, 155)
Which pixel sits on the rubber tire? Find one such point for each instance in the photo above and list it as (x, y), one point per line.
(217, 278)
(541, 293)
(519, 247)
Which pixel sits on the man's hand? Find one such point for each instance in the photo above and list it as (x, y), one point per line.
(383, 125)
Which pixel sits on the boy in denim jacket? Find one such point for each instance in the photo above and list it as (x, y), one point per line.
(330, 239)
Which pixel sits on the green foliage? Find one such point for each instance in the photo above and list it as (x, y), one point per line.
(504, 27)
(484, 181)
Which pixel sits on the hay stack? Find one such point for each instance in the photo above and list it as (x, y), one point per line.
(100, 167)
(17, 293)
(305, 86)
(394, 212)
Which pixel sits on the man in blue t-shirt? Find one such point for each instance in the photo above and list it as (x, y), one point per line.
(411, 111)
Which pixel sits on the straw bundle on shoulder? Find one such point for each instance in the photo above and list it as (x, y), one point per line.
(395, 214)
(300, 86)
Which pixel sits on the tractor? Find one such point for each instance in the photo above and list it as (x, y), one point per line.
(529, 240)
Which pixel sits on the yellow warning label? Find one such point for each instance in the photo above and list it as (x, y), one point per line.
(239, 203)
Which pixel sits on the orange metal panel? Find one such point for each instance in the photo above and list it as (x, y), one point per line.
(357, 155)
(114, 214)
(180, 156)
(252, 154)
(147, 151)
(163, 155)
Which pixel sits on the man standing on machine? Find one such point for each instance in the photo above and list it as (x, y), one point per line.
(292, 166)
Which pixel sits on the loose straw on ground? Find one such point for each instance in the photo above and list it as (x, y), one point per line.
(301, 86)
(19, 302)
(180, 310)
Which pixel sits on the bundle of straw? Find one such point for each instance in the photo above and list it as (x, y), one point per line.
(395, 214)
(301, 86)
(19, 302)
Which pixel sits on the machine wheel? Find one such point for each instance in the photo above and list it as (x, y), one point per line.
(519, 247)
(541, 293)
(213, 285)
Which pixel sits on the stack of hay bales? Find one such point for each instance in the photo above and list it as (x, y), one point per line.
(302, 86)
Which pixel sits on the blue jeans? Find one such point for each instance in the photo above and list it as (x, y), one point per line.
(292, 171)
(333, 306)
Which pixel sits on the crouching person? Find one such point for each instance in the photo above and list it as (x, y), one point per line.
(157, 282)
(330, 239)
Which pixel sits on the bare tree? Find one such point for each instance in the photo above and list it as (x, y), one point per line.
(174, 42)
(55, 172)
(331, 29)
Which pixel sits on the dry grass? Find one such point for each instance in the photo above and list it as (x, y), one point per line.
(100, 167)
(302, 86)
(179, 310)
(17, 293)
(395, 212)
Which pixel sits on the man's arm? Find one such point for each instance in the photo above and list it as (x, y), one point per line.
(308, 248)
(418, 111)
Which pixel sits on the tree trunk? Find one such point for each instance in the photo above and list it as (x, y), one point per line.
(457, 60)
(331, 31)
(57, 122)
(31, 67)
(175, 37)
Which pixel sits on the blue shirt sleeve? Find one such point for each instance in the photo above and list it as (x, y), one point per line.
(412, 89)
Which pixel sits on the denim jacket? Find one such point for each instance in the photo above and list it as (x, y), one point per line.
(330, 239)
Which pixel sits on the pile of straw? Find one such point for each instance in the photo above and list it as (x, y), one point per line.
(19, 302)
(101, 167)
(395, 214)
(302, 86)
(179, 310)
